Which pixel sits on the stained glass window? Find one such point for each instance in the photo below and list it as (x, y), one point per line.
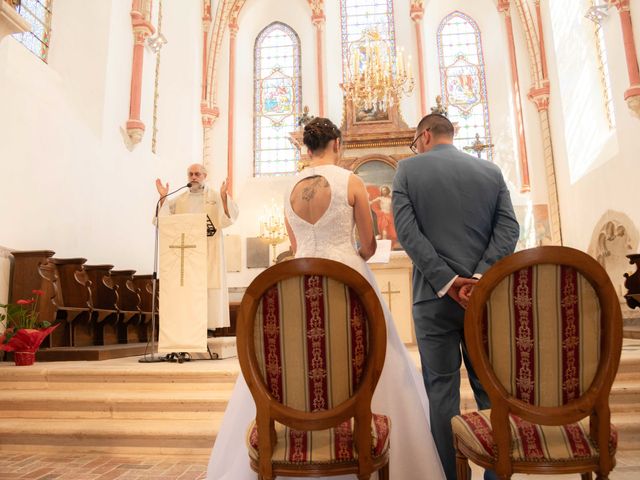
(462, 79)
(277, 99)
(38, 14)
(360, 15)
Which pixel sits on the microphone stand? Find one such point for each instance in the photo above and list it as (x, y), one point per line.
(154, 280)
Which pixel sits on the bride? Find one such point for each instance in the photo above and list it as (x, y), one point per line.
(322, 208)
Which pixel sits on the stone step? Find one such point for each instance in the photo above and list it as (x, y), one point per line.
(191, 437)
(117, 405)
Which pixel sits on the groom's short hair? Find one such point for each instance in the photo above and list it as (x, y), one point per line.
(438, 125)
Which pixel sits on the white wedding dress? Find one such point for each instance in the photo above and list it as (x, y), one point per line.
(400, 393)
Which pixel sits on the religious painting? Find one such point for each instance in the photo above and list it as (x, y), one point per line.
(535, 229)
(378, 178)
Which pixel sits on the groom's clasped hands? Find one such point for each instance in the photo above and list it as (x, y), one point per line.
(461, 290)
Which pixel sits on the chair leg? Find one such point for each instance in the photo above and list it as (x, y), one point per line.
(463, 472)
(383, 473)
(586, 476)
(364, 476)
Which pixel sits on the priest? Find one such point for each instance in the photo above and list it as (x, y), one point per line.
(221, 212)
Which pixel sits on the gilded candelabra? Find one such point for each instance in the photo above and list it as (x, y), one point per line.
(272, 227)
(377, 80)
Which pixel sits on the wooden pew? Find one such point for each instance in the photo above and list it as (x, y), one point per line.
(70, 302)
(25, 278)
(126, 305)
(143, 286)
(101, 303)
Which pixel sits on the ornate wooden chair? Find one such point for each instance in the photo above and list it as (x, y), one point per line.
(544, 332)
(311, 344)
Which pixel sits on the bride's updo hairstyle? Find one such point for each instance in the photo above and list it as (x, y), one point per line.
(318, 133)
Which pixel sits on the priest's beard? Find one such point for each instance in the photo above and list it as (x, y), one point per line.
(196, 188)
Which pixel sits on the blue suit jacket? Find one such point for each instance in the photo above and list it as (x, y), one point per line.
(453, 215)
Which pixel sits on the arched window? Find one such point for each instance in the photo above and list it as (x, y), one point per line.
(360, 15)
(462, 79)
(277, 99)
(38, 14)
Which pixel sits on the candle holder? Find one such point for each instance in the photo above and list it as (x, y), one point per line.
(272, 227)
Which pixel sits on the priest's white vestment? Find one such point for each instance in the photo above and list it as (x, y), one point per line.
(209, 201)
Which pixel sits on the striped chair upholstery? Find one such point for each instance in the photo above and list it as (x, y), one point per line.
(550, 316)
(303, 364)
(326, 306)
(329, 446)
(530, 442)
(544, 330)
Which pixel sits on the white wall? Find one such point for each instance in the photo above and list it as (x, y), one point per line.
(608, 180)
(68, 183)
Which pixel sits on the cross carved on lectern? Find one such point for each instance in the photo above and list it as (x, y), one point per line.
(182, 246)
(389, 292)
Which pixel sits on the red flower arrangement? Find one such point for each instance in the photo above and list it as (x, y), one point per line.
(23, 331)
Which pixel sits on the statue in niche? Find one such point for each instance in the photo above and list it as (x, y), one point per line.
(613, 245)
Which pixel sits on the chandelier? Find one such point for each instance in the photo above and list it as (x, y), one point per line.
(376, 80)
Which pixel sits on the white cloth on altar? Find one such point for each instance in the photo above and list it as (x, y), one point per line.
(209, 201)
(183, 284)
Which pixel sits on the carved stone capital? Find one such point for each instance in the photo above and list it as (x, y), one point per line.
(504, 6)
(622, 5)
(209, 115)
(540, 96)
(632, 97)
(318, 20)
(416, 11)
(317, 10)
(135, 131)
(142, 28)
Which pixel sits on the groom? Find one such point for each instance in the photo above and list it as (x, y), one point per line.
(454, 217)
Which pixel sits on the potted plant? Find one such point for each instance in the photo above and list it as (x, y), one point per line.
(24, 332)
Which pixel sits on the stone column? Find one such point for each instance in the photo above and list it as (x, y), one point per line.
(233, 32)
(504, 6)
(540, 97)
(417, 13)
(632, 94)
(142, 28)
(318, 19)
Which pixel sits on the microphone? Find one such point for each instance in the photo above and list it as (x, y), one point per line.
(188, 185)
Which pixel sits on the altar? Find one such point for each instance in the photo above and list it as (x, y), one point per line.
(394, 280)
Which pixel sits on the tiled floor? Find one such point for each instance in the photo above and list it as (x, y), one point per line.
(99, 467)
(103, 467)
